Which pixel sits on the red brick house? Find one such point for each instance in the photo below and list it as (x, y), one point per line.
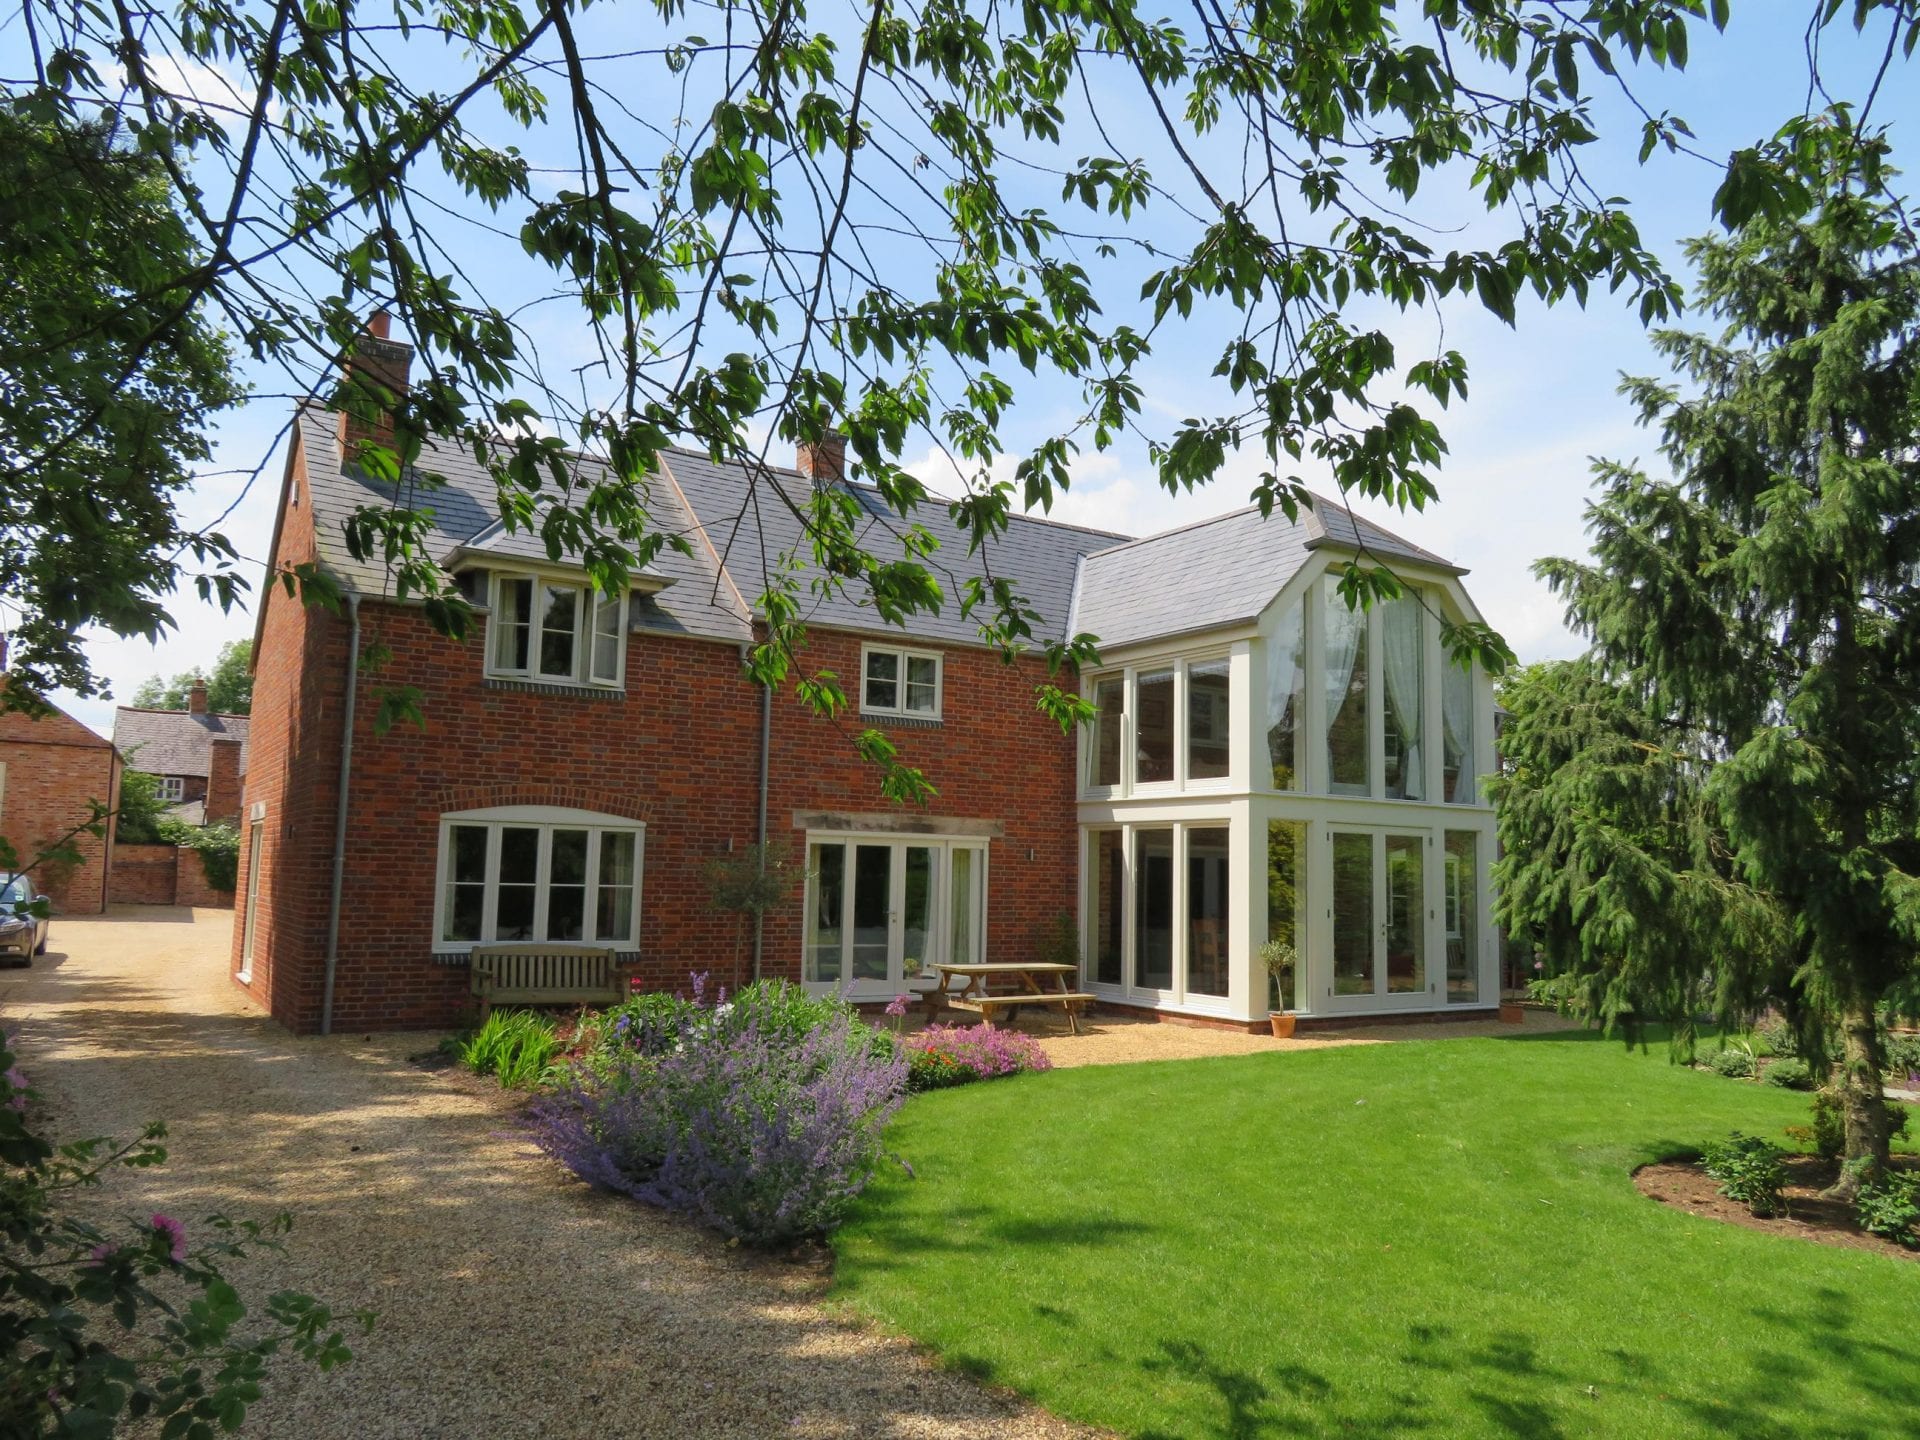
(51, 770)
(588, 757)
(197, 755)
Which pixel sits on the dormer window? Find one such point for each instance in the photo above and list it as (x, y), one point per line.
(552, 631)
(900, 682)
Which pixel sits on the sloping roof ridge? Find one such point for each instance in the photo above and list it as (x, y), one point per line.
(169, 710)
(1206, 520)
(790, 471)
(722, 571)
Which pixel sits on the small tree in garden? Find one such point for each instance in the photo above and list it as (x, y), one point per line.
(747, 885)
(100, 1325)
(1727, 787)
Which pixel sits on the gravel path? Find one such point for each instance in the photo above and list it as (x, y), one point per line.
(512, 1301)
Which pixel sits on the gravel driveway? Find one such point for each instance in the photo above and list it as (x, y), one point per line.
(512, 1301)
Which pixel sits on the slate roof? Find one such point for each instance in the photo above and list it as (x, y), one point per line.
(175, 742)
(1218, 572)
(466, 515)
(750, 529)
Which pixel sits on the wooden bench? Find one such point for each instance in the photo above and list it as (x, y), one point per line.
(1071, 1002)
(546, 974)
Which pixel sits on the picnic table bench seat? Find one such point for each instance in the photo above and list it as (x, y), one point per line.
(546, 973)
(1071, 1001)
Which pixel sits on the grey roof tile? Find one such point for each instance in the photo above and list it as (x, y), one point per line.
(1218, 572)
(466, 516)
(752, 527)
(174, 742)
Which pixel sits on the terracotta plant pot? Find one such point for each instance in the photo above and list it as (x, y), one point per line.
(1512, 1013)
(1282, 1023)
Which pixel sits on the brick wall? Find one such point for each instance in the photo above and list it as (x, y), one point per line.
(190, 883)
(53, 767)
(679, 752)
(144, 874)
(293, 753)
(993, 757)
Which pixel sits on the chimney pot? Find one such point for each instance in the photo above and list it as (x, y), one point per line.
(197, 697)
(379, 324)
(823, 461)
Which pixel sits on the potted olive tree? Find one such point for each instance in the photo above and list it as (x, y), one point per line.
(1279, 957)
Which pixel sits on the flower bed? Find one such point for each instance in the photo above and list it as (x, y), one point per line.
(762, 1118)
(943, 1055)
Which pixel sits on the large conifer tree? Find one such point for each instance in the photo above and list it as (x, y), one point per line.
(1761, 614)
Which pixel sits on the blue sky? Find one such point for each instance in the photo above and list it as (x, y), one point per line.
(1542, 396)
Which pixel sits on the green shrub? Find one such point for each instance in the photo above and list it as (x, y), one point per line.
(1890, 1208)
(516, 1047)
(783, 1011)
(1828, 1132)
(1903, 1057)
(1734, 1063)
(1789, 1074)
(1750, 1170)
(218, 846)
(1776, 1037)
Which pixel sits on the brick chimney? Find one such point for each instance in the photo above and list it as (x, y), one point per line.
(223, 781)
(823, 461)
(197, 697)
(376, 372)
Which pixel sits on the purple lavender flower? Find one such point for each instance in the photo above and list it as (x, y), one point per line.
(765, 1136)
(897, 1006)
(176, 1235)
(18, 1099)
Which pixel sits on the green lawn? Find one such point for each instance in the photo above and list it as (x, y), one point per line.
(1421, 1239)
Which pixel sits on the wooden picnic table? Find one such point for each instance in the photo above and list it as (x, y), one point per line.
(1019, 984)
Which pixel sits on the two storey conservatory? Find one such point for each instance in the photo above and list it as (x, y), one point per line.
(1268, 762)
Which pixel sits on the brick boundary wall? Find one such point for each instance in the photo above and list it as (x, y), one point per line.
(162, 875)
(142, 874)
(191, 886)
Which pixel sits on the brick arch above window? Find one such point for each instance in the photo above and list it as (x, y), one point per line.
(453, 798)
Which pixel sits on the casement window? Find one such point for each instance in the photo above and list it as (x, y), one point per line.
(900, 682)
(550, 630)
(1168, 724)
(169, 789)
(535, 873)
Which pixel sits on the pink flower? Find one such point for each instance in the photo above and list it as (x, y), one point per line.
(175, 1232)
(102, 1253)
(898, 1005)
(17, 1100)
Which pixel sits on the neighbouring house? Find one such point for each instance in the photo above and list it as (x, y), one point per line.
(1264, 761)
(198, 757)
(52, 770)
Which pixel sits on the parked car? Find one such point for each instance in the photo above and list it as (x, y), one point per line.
(22, 934)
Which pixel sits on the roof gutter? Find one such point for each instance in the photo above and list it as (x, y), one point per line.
(340, 814)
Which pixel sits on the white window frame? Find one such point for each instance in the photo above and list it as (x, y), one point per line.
(902, 654)
(170, 789)
(1090, 782)
(589, 606)
(546, 819)
(945, 847)
(250, 902)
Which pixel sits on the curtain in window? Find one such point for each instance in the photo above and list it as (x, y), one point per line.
(1346, 632)
(1456, 709)
(1285, 687)
(1402, 645)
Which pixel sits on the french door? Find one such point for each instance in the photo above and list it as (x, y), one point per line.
(1379, 916)
(882, 909)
